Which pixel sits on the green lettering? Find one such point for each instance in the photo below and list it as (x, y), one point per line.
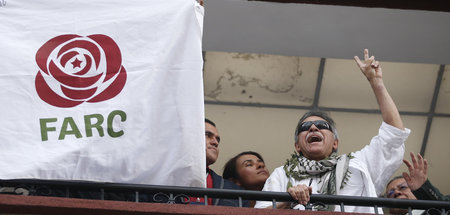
(97, 125)
(45, 129)
(75, 131)
(123, 117)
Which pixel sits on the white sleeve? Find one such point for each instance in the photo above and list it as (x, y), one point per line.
(384, 155)
(277, 182)
(199, 14)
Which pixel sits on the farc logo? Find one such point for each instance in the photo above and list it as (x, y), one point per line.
(76, 69)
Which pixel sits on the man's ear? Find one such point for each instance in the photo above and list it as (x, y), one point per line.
(335, 145)
(297, 147)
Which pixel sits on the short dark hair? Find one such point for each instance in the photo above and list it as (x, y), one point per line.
(210, 122)
(320, 114)
(230, 169)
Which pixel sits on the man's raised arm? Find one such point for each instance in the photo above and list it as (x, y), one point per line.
(372, 70)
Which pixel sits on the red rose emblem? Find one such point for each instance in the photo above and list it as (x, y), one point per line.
(76, 69)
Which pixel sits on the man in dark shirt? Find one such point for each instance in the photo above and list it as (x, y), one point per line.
(414, 185)
(212, 140)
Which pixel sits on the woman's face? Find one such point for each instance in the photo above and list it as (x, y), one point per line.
(252, 172)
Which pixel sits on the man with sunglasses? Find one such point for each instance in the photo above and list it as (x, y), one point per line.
(317, 168)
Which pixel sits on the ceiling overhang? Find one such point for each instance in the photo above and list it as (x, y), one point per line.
(330, 31)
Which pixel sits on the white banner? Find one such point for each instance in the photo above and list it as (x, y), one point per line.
(102, 91)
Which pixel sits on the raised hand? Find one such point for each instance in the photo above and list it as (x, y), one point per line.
(369, 66)
(417, 171)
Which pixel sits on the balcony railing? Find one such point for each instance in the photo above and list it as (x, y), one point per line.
(176, 194)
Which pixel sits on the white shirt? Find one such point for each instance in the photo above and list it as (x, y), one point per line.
(370, 170)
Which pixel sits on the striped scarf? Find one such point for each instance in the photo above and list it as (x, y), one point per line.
(332, 171)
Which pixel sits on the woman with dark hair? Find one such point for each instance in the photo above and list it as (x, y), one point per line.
(248, 170)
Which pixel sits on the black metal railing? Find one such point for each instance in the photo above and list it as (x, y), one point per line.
(176, 194)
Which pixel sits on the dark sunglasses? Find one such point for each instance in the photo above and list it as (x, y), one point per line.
(320, 124)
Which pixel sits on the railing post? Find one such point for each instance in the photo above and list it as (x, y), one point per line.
(102, 194)
(308, 207)
(67, 192)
